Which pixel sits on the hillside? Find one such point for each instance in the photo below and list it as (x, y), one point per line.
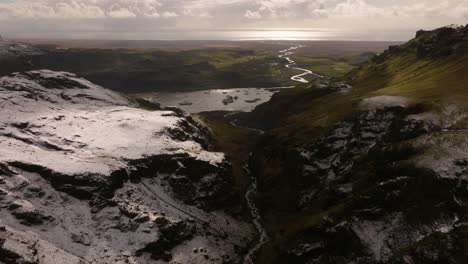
(89, 176)
(374, 172)
(431, 67)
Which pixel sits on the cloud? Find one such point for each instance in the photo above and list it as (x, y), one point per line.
(121, 13)
(133, 15)
(252, 14)
(359, 8)
(168, 14)
(214, 9)
(362, 9)
(82, 9)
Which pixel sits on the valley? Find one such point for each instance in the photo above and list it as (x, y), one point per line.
(235, 99)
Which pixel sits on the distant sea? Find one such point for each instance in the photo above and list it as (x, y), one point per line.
(316, 34)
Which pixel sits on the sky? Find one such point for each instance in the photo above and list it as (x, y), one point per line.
(227, 19)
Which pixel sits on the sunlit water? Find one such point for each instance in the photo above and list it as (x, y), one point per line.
(244, 99)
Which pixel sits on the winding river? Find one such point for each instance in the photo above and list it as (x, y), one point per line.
(284, 54)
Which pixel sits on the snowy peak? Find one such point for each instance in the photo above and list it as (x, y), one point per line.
(56, 116)
(87, 176)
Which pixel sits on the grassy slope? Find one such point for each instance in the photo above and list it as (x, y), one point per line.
(422, 79)
(301, 112)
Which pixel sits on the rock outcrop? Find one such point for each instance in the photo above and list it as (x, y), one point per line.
(440, 42)
(88, 177)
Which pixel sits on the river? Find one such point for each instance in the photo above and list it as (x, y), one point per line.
(292, 65)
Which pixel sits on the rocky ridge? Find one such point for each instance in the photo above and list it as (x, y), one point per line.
(443, 41)
(87, 177)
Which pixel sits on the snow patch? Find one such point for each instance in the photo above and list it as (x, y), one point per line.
(379, 102)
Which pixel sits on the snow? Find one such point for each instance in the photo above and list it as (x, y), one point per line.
(73, 127)
(375, 235)
(445, 153)
(82, 128)
(379, 102)
(386, 236)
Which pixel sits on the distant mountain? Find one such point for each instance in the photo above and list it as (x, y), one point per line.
(374, 172)
(88, 176)
(10, 49)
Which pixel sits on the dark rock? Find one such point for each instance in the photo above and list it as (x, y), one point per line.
(169, 237)
(30, 217)
(419, 33)
(228, 100)
(396, 202)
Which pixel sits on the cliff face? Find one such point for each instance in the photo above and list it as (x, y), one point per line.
(87, 177)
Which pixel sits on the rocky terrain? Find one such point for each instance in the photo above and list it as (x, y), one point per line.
(370, 168)
(382, 189)
(89, 176)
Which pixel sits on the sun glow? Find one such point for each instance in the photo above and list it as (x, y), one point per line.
(287, 34)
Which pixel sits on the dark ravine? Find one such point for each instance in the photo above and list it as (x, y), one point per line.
(251, 199)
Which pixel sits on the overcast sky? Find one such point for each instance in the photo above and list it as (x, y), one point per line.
(208, 19)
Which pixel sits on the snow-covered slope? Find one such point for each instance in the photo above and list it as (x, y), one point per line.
(50, 116)
(87, 176)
